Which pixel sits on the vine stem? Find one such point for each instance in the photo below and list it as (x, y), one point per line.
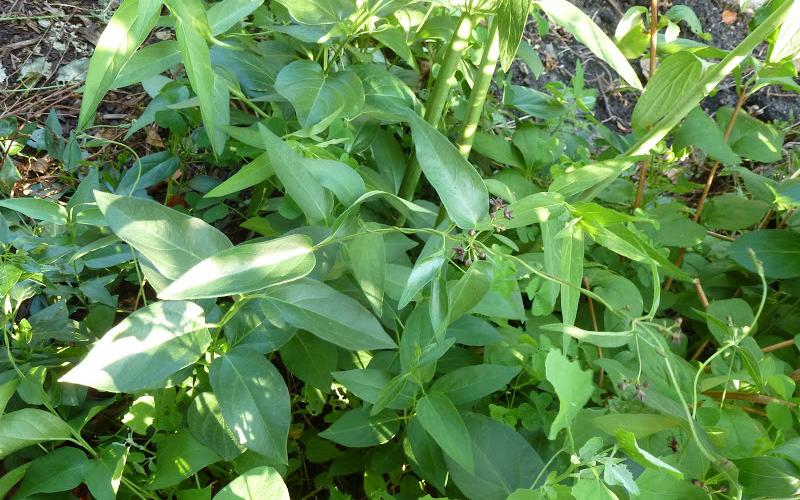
(441, 89)
(711, 175)
(477, 98)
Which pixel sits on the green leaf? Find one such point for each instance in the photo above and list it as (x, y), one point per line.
(627, 442)
(768, 477)
(178, 456)
(192, 29)
(512, 16)
(468, 291)
(103, 474)
(225, 14)
(586, 182)
(329, 314)
(37, 208)
(144, 349)
(315, 12)
(310, 359)
(457, 183)
(630, 35)
(471, 383)
(254, 401)
(581, 26)
(778, 250)
(729, 314)
(425, 269)
(675, 76)
(571, 271)
(368, 384)
(304, 189)
(573, 387)
(358, 429)
(172, 241)
(22, 428)
(751, 138)
(504, 460)
(425, 456)
(532, 209)
(128, 28)
(732, 212)
(342, 180)
(208, 426)
(601, 339)
(367, 255)
(60, 470)
(442, 421)
(319, 99)
(700, 131)
(245, 268)
(255, 484)
(11, 478)
(787, 44)
(147, 62)
(640, 424)
(249, 175)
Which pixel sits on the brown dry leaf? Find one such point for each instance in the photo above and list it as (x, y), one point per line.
(154, 139)
(729, 17)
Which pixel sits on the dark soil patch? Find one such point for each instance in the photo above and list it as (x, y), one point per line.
(560, 52)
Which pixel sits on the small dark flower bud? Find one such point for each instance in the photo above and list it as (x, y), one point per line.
(472, 233)
(468, 262)
(508, 214)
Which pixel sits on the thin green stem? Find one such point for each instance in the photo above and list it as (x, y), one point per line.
(477, 99)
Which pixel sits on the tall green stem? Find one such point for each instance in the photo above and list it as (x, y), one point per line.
(477, 98)
(438, 98)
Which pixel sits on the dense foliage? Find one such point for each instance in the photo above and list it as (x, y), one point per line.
(366, 264)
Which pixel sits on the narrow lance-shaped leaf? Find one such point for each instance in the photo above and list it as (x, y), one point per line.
(245, 268)
(22, 428)
(572, 19)
(128, 28)
(441, 420)
(571, 271)
(192, 29)
(455, 180)
(144, 349)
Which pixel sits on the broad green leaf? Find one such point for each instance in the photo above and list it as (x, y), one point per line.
(640, 425)
(358, 429)
(223, 15)
(468, 291)
(572, 19)
(310, 359)
(426, 458)
(22, 428)
(319, 99)
(396, 39)
(587, 181)
(60, 470)
(172, 241)
(768, 477)
(442, 421)
(329, 314)
(423, 272)
(37, 208)
(532, 209)
(571, 271)
(700, 131)
(751, 138)
(601, 339)
(245, 268)
(147, 62)
(730, 314)
(367, 255)
(254, 401)
(512, 16)
(255, 484)
(304, 189)
(144, 349)
(315, 12)
(504, 460)
(249, 175)
(787, 44)
(573, 387)
(126, 30)
(544, 300)
(778, 250)
(471, 383)
(675, 76)
(367, 384)
(627, 442)
(192, 29)
(455, 180)
(8, 386)
(732, 212)
(630, 34)
(340, 179)
(178, 456)
(103, 474)
(533, 102)
(208, 426)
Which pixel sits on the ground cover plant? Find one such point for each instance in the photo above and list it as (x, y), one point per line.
(365, 263)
